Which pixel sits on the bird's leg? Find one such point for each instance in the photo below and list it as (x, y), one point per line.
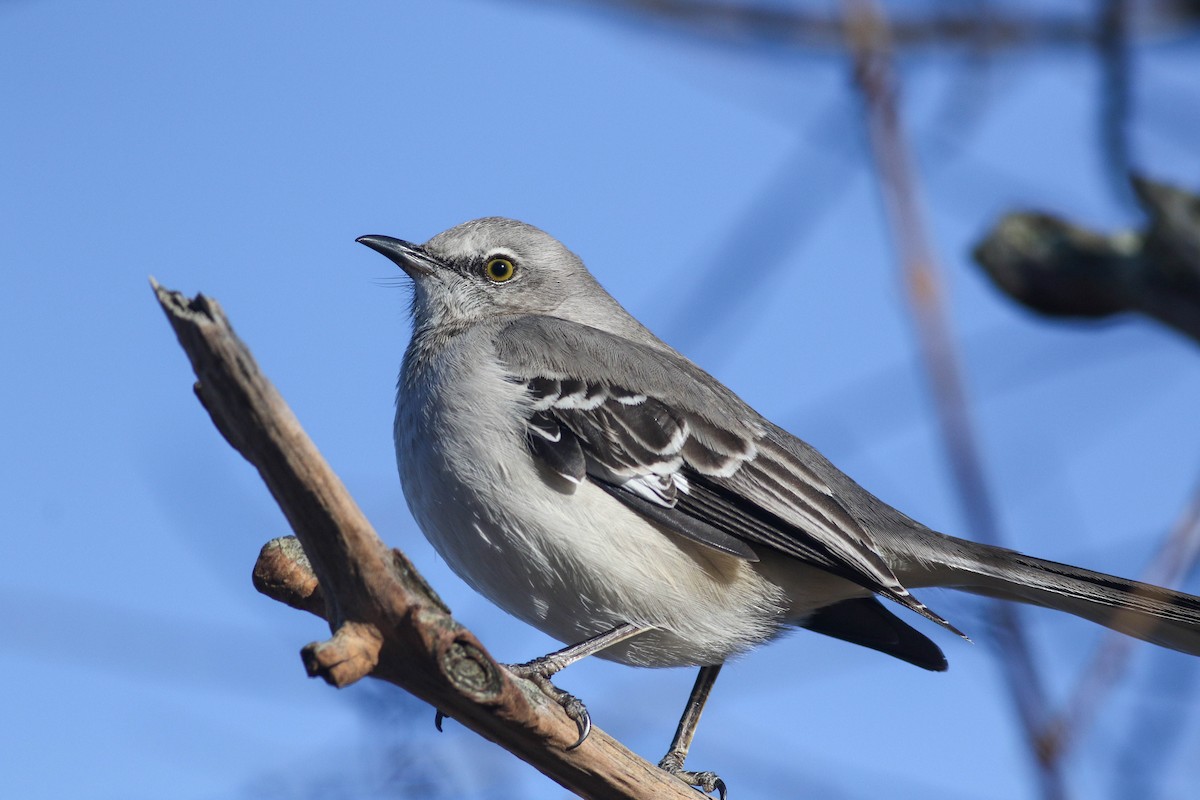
(672, 762)
(539, 671)
(559, 660)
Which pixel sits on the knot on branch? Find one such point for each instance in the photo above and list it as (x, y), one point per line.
(471, 670)
(350, 655)
(459, 657)
(284, 573)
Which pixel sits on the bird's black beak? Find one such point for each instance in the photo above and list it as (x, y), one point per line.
(410, 257)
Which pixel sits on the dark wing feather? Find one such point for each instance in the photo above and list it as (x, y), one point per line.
(686, 525)
(678, 447)
(557, 448)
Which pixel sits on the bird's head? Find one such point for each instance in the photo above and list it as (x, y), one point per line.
(487, 268)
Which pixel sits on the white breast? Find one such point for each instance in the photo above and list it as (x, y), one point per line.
(571, 563)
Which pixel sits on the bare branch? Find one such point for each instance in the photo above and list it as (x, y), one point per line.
(868, 38)
(386, 621)
(1177, 556)
(1061, 269)
(1116, 94)
(993, 29)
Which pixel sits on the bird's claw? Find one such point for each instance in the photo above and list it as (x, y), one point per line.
(578, 713)
(706, 782)
(572, 705)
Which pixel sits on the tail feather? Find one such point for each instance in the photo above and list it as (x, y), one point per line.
(864, 621)
(1161, 616)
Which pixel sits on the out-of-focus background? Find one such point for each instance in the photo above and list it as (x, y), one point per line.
(710, 161)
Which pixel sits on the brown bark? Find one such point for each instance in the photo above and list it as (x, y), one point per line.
(387, 622)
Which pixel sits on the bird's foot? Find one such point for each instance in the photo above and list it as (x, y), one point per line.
(546, 666)
(706, 782)
(539, 671)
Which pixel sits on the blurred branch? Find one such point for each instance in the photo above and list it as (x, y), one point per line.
(1116, 91)
(386, 621)
(1060, 269)
(868, 36)
(780, 214)
(1176, 557)
(978, 24)
(1111, 28)
(1164, 706)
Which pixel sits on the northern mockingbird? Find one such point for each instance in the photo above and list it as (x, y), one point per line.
(593, 482)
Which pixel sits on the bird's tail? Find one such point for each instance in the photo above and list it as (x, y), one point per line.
(1162, 616)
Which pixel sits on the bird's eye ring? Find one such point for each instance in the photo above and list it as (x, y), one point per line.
(499, 270)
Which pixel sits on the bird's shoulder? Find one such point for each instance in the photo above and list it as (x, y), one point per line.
(535, 346)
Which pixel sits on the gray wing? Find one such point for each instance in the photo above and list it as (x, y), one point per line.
(675, 445)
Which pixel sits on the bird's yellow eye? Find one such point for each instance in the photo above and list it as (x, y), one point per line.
(500, 270)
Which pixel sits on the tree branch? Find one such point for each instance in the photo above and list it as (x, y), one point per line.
(868, 37)
(386, 621)
(1177, 556)
(1060, 269)
(803, 29)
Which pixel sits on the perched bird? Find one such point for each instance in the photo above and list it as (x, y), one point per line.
(593, 482)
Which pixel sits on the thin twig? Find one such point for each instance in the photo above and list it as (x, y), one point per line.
(868, 39)
(802, 29)
(1116, 94)
(1177, 556)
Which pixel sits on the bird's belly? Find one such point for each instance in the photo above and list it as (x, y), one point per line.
(576, 563)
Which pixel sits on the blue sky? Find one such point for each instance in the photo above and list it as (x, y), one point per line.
(721, 192)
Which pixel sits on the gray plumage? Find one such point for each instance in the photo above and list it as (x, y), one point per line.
(581, 474)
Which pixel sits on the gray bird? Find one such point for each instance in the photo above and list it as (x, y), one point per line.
(593, 482)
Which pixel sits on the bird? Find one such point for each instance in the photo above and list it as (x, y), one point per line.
(595, 483)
